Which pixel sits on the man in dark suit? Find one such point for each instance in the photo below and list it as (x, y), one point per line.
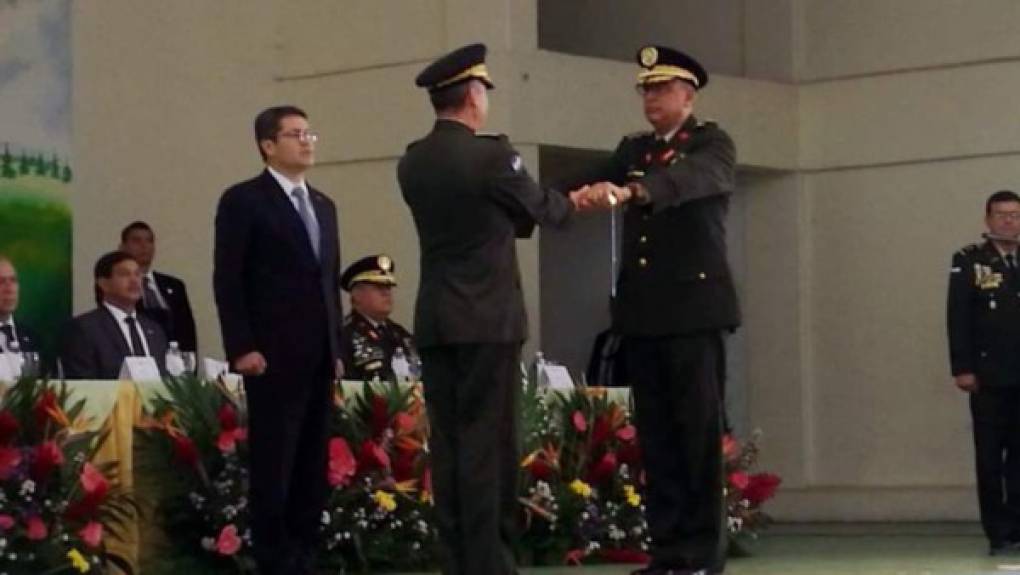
(983, 320)
(96, 342)
(276, 279)
(675, 299)
(370, 338)
(164, 297)
(14, 336)
(471, 198)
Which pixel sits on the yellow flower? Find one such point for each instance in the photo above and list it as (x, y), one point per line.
(633, 499)
(78, 561)
(581, 488)
(384, 500)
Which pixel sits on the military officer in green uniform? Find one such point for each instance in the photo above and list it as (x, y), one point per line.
(983, 320)
(471, 198)
(675, 299)
(369, 338)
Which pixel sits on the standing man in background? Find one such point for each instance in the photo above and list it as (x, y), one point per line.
(675, 299)
(276, 280)
(164, 297)
(983, 318)
(471, 198)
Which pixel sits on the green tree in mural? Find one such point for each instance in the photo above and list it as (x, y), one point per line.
(55, 168)
(40, 165)
(24, 164)
(7, 164)
(66, 176)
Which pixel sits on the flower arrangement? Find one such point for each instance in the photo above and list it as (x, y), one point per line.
(746, 491)
(56, 505)
(379, 514)
(195, 438)
(581, 479)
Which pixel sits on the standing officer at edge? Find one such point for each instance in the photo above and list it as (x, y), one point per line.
(675, 299)
(471, 198)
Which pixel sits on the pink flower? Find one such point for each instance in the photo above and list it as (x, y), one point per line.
(228, 543)
(626, 433)
(228, 438)
(35, 528)
(373, 456)
(739, 480)
(93, 481)
(342, 465)
(92, 533)
(404, 422)
(6, 522)
(10, 457)
(580, 423)
(603, 469)
(601, 431)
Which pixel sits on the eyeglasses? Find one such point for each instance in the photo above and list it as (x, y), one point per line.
(1010, 216)
(303, 136)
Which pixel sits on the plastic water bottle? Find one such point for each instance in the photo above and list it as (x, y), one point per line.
(401, 367)
(174, 360)
(540, 376)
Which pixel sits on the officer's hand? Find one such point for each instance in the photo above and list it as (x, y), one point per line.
(966, 382)
(607, 195)
(250, 364)
(581, 198)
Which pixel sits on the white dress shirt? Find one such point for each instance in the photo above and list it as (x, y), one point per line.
(121, 315)
(5, 345)
(288, 189)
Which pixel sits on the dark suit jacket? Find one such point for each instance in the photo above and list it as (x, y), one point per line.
(95, 347)
(471, 198)
(177, 322)
(272, 294)
(983, 317)
(674, 278)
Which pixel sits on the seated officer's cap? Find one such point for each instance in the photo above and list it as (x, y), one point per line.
(376, 269)
(662, 64)
(461, 65)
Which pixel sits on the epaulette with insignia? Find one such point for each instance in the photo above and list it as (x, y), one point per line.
(969, 249)
(490, 135)
(709, 123)
(637, 135)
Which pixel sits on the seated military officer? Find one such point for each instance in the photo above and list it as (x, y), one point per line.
(369, 338)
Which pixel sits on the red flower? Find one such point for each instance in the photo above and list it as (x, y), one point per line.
(6, 522)
(601, 431)
(629, 453)
(227, 416)
(404, 422)
(426, 480)
(580, 423)
(626, 433)
(380, 414)
(227, 440)
(540, 469)
(8, 427)
(47, 403)
(92, 533)
(739, 480)
(95, 486)
(373, 456)
(46, 457)
(228, 542)
(184, 450)
(10, 457)
(761, 487)
(35, 528)
(341, 462)
(603, 469)
(403, 465)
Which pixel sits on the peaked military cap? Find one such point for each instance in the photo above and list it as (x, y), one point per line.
(461, 65)
(376, 269)
(662, 64)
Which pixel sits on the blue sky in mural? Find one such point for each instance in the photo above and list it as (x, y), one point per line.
(35, 75)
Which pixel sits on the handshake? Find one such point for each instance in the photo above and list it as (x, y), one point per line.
(603, 195)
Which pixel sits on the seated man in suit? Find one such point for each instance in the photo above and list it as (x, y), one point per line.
(97, 342)
(13, 336)
(369, 337)
(164, 297)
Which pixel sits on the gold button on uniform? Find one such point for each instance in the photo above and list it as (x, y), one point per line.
(642, 262)
(643, 239)
(701, 275)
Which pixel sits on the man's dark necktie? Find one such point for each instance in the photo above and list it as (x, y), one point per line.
(137, 348)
